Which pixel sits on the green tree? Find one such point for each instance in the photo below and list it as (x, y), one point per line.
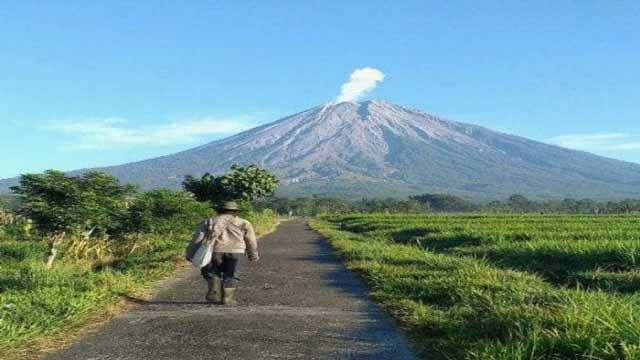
(164, 211)
(411, 206)
(207, 188)
(103, 201)
(519, 203)
(51, 200)
(245, 183)
(60, 204)
(445, 203)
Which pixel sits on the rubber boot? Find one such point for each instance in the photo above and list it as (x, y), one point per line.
(228, 296)
(213, 292)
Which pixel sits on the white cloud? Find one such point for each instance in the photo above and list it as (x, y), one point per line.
(114, 132)
(628, 146)
(599, 141)
(360, 82)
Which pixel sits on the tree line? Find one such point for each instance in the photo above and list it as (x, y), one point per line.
(95, 205)
(445, 203)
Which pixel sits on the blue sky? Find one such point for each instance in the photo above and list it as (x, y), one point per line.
(86, 84)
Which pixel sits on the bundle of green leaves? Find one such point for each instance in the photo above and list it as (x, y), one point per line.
(241, 184)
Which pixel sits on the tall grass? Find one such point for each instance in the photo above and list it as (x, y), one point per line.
(263, 221)
(36, 301)
(465, 307)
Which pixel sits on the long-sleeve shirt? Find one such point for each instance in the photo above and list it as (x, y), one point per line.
(234, 234)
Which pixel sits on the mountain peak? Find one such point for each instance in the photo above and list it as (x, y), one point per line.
(373, 102)
(377, 148)
(360, 110)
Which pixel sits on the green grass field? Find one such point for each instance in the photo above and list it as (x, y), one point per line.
(479, 286)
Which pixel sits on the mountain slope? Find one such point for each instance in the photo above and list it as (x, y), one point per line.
(375, 148)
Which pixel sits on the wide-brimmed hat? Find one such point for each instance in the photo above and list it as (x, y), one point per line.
(229, 205)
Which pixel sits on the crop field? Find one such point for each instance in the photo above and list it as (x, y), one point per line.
(485, 286)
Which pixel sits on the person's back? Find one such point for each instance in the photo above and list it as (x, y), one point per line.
(234, 237)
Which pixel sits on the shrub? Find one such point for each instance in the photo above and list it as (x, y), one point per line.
(13, 226)
(164, 211)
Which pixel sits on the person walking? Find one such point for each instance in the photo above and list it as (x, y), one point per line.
(234, 237)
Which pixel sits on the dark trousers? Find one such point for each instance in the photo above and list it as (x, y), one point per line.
(224, 266)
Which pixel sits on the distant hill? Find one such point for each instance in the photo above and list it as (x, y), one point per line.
(375, 148)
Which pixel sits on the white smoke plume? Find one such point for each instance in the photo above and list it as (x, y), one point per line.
(360, 82)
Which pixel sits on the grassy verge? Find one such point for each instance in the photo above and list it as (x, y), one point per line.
(263, 221)
(458, 307)
(36, 303)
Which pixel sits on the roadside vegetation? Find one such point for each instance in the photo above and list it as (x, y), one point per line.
(502, 286)
(71, 247)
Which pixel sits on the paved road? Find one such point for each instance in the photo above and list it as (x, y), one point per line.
(298, 302)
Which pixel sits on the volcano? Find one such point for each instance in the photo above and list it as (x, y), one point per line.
(379, 149)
